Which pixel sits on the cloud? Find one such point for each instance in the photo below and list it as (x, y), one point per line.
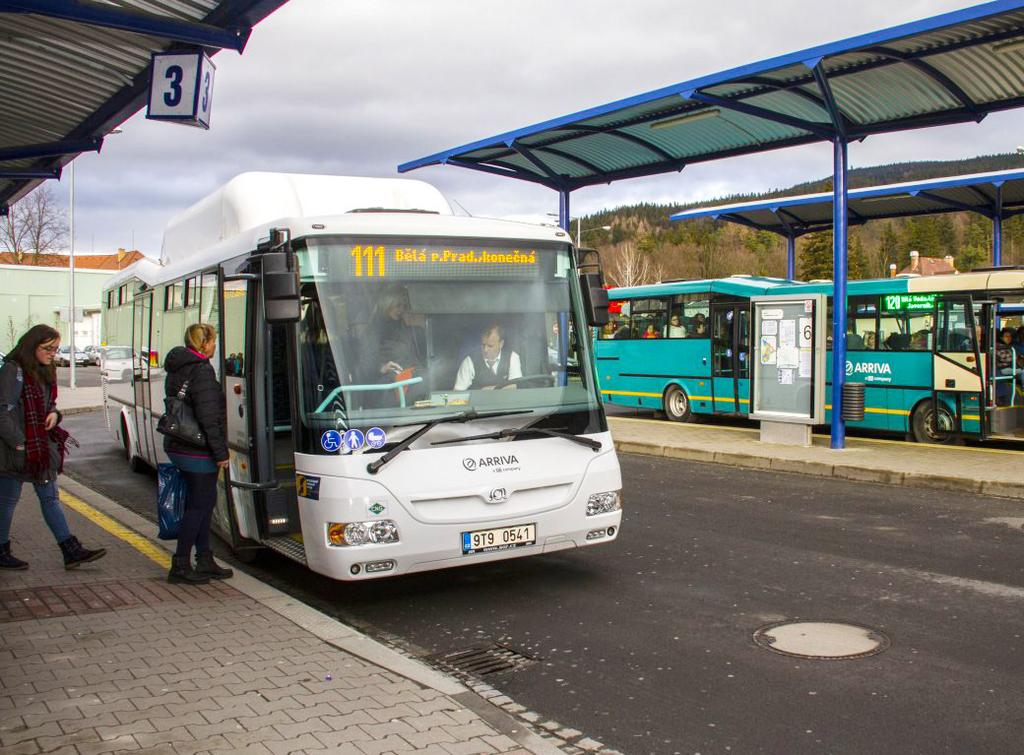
(340, 86)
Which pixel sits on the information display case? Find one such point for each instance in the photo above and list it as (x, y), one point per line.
(788, 379)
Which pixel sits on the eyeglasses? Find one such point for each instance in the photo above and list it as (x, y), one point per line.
(50, 349)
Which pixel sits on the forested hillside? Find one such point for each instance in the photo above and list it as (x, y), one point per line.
(643, 246)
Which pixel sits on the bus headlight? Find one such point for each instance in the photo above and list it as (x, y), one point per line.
(604, 503)
(376, 532)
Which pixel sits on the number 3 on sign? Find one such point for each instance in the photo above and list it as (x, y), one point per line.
(174, 75)
(365, 258)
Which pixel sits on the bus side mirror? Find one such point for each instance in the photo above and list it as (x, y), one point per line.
(595, 299)
(280, 279)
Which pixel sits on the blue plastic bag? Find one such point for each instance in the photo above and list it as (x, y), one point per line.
(170, 500)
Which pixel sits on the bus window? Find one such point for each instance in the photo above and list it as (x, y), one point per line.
(618, 322)
(906, 332)
(688, 316)
(650, 316)
(954, 332)
(863, 325)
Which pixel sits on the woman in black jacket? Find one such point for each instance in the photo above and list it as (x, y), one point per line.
(32, 445)
(199, 466)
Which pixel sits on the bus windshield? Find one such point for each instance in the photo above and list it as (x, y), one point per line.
(396, 331)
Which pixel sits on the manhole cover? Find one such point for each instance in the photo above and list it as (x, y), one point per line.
(822, 640)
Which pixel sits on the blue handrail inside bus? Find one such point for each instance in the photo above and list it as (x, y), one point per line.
(373, 387)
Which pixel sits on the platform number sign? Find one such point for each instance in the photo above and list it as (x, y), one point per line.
(181, 88)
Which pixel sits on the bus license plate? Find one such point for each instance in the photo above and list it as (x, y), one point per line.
(499, 539)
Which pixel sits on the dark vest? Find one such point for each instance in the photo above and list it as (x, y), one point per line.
(482, 375)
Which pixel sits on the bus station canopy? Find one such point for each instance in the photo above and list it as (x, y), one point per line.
(952, 68)
(71, 71)
(995, 194)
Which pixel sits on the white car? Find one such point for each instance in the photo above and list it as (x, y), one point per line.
(116, 364)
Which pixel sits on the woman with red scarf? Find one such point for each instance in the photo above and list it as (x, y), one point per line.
(32, 446)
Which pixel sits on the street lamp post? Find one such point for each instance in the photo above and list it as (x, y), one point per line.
(71, 266)
(580, 230)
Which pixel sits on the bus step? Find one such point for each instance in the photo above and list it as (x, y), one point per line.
(286, 546)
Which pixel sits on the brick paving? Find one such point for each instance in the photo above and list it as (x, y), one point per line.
(109, 658)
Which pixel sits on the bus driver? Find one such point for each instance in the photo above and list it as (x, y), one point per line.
(492, 366)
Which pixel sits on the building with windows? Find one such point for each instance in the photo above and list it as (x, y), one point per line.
(34, 288)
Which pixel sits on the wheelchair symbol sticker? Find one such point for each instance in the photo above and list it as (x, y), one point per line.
(376, 438)
(353, 439)
(330, 441)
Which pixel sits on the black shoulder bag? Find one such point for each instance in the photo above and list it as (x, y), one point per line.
(179, 422)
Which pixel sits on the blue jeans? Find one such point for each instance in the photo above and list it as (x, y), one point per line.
(10, 492)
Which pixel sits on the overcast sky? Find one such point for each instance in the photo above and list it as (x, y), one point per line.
(355, 87)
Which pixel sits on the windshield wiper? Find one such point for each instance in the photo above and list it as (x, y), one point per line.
(468, 416)
(513, 432)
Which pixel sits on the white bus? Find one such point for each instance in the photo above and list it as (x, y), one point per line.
(348, 311)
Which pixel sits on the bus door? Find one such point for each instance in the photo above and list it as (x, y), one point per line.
(1004, 413)
(143, 410)
(257, 388)
(958, 369)
(730, 363)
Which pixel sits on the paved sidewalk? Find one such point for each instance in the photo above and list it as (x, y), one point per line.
(977, 470)
(110, 658)
(79, 400)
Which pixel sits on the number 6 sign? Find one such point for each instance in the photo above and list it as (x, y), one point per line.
(181, 88)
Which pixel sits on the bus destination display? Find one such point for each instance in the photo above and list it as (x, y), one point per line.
(406, 262)
(893, 303)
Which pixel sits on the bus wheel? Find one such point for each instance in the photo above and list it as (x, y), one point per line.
(677, 404)
(135, 464)
(927, 428)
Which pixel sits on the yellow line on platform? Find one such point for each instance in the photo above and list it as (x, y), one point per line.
(138, 542)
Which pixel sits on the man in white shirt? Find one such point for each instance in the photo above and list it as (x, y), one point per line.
(491, 367)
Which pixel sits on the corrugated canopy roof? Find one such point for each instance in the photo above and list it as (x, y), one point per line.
(951, 68)
(73, 70)
(990, 194)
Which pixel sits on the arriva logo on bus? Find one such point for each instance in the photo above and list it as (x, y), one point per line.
(874, 370)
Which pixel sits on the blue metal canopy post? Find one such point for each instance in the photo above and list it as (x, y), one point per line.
(997, 228)
(839, 291)
(791, 257)
(563, 209)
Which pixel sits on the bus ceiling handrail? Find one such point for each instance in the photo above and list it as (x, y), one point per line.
(371, 387)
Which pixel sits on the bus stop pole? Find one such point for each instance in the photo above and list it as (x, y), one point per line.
(791, 257)
(839, 225)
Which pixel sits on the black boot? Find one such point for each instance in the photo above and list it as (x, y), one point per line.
(75, 554)
(182, 572)
(206, 565)
(7, 561)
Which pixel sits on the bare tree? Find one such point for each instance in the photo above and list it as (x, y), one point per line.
(631, 267)
(36, 224)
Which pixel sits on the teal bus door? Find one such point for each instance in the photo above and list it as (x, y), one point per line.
(730, 357)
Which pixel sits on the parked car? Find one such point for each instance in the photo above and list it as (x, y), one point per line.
(117, 364)
(93, 353)
(63, 357)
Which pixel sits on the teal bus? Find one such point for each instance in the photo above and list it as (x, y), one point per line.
(927, 350)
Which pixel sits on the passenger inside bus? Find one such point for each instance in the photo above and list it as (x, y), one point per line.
(675, 328)
(699, 327)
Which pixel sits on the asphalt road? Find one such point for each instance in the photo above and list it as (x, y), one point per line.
(646, 644)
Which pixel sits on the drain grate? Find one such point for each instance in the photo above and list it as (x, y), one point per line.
(481, 661)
